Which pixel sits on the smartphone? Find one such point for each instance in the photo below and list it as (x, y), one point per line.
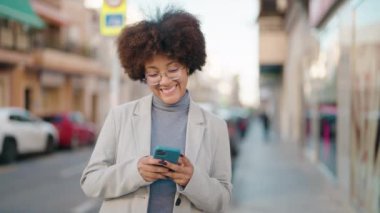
(167, 153)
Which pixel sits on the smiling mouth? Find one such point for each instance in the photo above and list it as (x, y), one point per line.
(169, 90)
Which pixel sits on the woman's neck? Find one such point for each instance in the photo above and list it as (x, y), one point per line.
(182, 104)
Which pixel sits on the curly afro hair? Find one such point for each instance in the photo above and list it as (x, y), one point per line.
(175, 34)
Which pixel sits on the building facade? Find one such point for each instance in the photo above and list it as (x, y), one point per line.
(334, 57)
(273, 47)
(53, 66)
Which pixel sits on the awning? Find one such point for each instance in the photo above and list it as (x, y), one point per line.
(50, 14)
(20, 10)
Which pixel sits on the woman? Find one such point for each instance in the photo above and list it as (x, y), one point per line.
(162, 53)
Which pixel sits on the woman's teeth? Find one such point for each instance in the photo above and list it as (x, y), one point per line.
(168, 90)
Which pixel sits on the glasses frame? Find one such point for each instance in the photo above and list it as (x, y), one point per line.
(161, 74)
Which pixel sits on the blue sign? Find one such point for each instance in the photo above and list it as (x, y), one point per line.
(114, 20)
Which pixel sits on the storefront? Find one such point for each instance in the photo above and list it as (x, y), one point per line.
(337, 61)
(365, 105)
(346, 79)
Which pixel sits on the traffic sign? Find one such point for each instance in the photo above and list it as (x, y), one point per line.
(112, 17)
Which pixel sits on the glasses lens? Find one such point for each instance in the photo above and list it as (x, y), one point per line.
(174, 74)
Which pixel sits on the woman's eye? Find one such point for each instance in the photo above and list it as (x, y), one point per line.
(175, 69)
(152, 75)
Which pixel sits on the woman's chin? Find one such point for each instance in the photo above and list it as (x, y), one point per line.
(170, 99)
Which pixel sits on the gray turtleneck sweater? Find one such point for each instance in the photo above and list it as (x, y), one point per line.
(168, 129)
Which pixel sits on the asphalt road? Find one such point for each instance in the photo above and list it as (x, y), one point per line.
(46, 183)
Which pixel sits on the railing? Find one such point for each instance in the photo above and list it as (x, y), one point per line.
(15, 36)
(18, 37)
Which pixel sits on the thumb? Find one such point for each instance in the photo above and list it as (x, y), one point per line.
(185, 160)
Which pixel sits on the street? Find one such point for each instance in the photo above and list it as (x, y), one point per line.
(46, 184)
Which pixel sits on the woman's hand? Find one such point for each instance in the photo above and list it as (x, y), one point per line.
(180, 173)
(151, 169)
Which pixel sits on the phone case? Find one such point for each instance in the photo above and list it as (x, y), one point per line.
(167, 153)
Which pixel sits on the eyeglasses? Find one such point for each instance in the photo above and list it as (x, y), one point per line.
(154, 78)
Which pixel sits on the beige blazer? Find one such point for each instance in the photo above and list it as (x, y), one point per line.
(112, 174)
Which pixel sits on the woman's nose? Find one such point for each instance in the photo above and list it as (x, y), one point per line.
(164, 80)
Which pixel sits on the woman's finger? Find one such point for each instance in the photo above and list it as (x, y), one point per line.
(150, 169)
(179, 178)
(180, 161)
(172, 166)
(152, 176)
(150, 160)
(154, 169)
(174, 175)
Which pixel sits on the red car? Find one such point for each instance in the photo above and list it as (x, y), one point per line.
(73, 130)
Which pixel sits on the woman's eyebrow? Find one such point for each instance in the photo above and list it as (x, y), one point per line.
(154, 67)
(151, 67)
(171, 62)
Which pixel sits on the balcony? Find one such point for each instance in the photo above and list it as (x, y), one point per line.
(68, 63)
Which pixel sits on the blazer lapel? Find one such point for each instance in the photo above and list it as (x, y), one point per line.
(141, 124)
(195, 131)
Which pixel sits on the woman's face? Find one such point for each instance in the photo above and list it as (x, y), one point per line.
(166, 78)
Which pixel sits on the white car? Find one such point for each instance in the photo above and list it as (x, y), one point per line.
(21, 133)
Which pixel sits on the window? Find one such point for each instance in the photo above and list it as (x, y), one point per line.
(6, 34)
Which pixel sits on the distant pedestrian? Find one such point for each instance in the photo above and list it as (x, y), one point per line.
(266, 124)
(162, 53)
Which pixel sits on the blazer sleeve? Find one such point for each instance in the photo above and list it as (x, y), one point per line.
(212, 192)
(102, 177)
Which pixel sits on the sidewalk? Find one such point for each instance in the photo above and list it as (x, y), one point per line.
(272, 177)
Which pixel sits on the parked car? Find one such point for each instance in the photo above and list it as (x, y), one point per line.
(21, 133)
(73, 129)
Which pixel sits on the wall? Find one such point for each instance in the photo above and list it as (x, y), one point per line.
(302, 47)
